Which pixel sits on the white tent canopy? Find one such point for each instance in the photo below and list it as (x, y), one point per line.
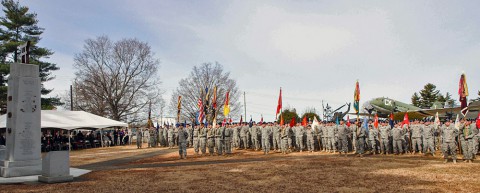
(70, 120)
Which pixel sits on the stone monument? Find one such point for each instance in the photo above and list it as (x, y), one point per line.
(56, 167)
(23, 154)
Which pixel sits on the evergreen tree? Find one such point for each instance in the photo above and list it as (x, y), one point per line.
(428, 95)
(288, 114)
(416, 99)
(18, 26)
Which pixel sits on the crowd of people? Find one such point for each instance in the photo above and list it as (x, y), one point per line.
(423, 137)
(58, 140)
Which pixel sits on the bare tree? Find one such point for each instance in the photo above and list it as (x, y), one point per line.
(116, 79)
(193, 88)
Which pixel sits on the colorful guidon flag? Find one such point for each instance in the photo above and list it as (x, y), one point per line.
(226, 106)
(375, 123)
(356, 98)
(463, 93)
(179, 107)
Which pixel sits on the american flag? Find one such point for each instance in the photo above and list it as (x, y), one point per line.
(201, 112)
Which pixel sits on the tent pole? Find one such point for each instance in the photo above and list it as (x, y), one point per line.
(69, 136)
(101, 136)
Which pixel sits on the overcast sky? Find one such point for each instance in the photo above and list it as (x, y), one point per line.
(314, 50)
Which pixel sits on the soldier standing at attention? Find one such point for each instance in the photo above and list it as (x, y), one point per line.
(324, 130)
(196, 140)
(266, 130)
(182, 142)
(373, 138)
(353, 130)
(211, 140)
(202, 139)
(397, 136)
(139, 134)
(310, 139)
(218, 139)
(384, 138)
(416, 137)
(244, 135)
(236, 136)
(469, 133)
(284, 135)
(449, 146)
(342, 134)
(228, 139)
(360, 133)
(428, 138)
(276, 137)
(331, 133)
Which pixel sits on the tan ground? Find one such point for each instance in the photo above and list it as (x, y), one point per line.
(248, 171)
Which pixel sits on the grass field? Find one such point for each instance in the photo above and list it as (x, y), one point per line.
(126, 169)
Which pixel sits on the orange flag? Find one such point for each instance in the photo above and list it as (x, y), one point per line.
(376, 121)
(282, 122)
(348, 121)
(304, 121)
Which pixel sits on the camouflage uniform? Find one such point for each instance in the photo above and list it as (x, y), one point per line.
(449, 146)
(342, 135)
(196, 140)
(310, 139)
(428, 139)
(266, 131)
(384, 139)
(182, 142)
(202, 139)
(397, 136)
(211, 140)
(227, 142)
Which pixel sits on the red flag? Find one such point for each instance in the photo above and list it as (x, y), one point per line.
(375, 124)
(463, 93)
(241, 119)
(292, 122)
(478, 121)
(224, 122)
(304, 121)
(282, 122)
(348, 121)
(230, 121)
(279, 106)
(405, 120)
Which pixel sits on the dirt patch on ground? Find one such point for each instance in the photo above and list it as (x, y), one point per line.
(249, 171)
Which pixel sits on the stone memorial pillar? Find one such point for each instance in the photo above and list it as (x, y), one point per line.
(23, 153)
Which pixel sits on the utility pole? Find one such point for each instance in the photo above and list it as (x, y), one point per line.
(71, 98)
(245, 105)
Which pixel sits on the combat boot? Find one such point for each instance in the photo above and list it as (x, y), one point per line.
(455, 161)
(446, 160)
